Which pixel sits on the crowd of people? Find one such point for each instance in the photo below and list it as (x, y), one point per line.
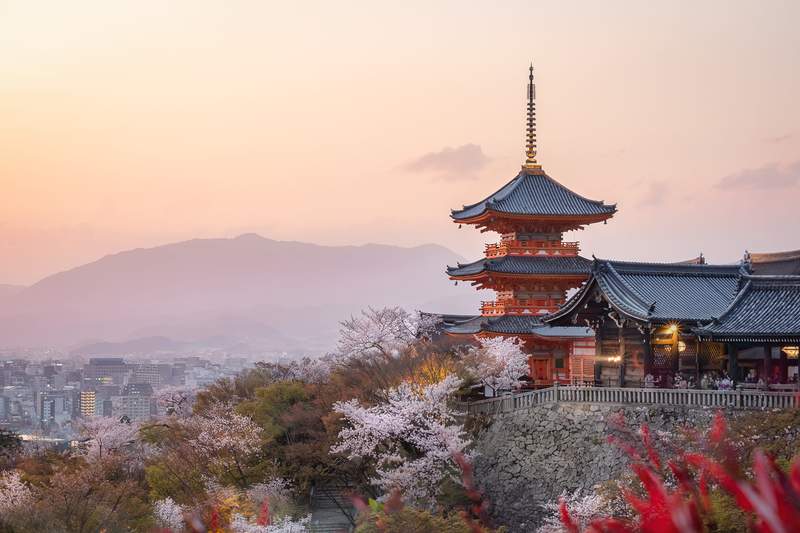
(710, 381)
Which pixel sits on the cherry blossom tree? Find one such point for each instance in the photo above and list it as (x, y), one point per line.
(380, 332)
(498, 362)
(175, 400)
(14, 493)
(582, 508)
(240, 524)
(310, 369)
(102, 436)
(169, 514)
(226, 439)
(411, 439)
(273, 488)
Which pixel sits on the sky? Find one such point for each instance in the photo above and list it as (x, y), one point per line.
(132, 124)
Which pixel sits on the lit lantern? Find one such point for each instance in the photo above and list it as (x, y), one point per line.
(791, 351)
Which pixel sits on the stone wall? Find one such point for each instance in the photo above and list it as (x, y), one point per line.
(528, 457)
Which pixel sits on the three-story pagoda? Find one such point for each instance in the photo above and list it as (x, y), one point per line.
(532, 267)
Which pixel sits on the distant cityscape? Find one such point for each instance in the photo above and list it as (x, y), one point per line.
(43, 399)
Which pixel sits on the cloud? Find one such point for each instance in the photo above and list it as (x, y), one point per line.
(771, 176)
(656, 194)
(779, 138)
(451, 164)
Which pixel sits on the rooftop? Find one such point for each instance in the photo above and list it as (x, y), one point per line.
(774, 263)
(660, 292)
(766, 309)
(535, 194)
(511, 325)
(525, 264)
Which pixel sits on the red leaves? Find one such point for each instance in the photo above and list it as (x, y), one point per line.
(648, 446)
(566, 519)
(264, 517)
(476, 515)
(772, 496)
(663, 511)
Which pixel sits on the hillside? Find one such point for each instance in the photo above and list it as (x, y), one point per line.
(273, 294)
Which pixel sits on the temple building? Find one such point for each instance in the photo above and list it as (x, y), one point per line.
(630, 323)
(656, 322)
(532, 268)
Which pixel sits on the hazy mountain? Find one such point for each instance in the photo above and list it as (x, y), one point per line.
(274, 294)
(145, 345)
(8, 290)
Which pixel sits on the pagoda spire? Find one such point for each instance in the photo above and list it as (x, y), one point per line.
(530, 142)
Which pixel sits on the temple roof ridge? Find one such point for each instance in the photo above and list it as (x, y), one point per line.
(525, 264)
(533, 193)
(785, 263)
(670, 269)
(767, 309)
(659, 292)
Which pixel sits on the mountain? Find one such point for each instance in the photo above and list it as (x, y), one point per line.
(276, 295)
(8, 290)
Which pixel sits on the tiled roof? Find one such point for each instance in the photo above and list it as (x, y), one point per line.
(767, 309)
(511, 325)
(525, 264)
(535, 194)
(660, 292)
(774, 263)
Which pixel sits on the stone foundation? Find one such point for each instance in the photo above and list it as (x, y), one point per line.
(529, 457)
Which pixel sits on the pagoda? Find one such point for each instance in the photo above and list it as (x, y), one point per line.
(532, 267)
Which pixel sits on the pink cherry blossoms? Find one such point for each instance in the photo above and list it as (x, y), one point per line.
(380, 332)
(499, 362)
(14, 493)
(106, 435)
(223, 432)
(411, 438)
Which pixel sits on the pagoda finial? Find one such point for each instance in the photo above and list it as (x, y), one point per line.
(530, 142)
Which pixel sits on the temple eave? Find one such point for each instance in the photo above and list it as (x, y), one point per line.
(492, 217)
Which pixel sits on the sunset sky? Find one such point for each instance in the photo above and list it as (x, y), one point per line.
(132, 124)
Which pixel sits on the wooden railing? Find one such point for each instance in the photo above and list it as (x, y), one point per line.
(738, 399)
(529, 306)
(512, 247)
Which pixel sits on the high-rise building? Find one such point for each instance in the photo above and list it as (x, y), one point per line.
(134, 401)
(88, 403)
(106, 370)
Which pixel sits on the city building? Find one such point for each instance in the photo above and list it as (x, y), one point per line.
(106, 370)
(135, 402)
(88, 403)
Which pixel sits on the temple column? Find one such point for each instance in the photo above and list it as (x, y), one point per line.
(767, 363)
(784, 362)
(622, 350)
(676, 354)
(733, 361)
(648, 354)
(697, 363)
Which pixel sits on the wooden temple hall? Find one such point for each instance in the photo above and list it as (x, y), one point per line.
(628, 323)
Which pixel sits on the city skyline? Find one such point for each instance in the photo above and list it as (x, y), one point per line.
(134, 126)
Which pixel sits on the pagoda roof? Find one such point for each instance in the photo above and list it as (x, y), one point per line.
(659, 292)
(767, 309)
(774, 263)
(555, 265)
(511, 325)
(535, 194)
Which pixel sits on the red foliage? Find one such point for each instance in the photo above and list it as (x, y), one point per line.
(771, 496)
(264, 517)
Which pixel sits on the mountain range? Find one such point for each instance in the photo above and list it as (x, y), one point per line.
(249, 290)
